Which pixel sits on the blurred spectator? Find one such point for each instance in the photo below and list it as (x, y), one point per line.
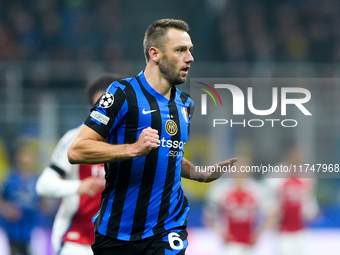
(25, 31)
(50, 32)
(280, 31)
(7, 43)
(20, 207)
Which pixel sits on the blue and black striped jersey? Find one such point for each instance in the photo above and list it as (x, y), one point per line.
(143, 195)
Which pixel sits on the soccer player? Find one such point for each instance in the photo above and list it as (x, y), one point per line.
(78, 187)
(139, 129)
(238, 210)
(296, 205)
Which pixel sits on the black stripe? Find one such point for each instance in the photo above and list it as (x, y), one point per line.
(178, 196)
(110, 177)
(119, 99)
(184, 206)
(60, 171)
(124, 169)
(170, 176)
(125, 82)
(149, 173)
(191, 109)
(184, 97)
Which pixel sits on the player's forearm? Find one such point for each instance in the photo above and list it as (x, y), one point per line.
(192, 172)
(189, 171)
(97, 152)
(50, 184)
(187, 167)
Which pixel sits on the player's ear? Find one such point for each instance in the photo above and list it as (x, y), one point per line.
(154, 54)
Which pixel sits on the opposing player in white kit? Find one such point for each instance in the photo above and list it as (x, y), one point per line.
(78, 186)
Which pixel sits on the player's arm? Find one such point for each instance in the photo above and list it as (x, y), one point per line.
(51, 184)
(190, 171)
(88, 147)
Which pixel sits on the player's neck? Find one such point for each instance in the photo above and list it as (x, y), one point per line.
(157, 81)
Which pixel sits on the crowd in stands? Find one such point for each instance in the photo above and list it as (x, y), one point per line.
(59, 30)
(280, 31)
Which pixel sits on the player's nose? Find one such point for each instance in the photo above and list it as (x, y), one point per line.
(189, 58)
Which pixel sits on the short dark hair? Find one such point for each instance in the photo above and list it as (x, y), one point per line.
(100, 83)
(155, 34)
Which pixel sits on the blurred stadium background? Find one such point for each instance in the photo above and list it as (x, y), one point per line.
(49, 49)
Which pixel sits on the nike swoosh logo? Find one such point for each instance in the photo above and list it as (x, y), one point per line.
(146, 112)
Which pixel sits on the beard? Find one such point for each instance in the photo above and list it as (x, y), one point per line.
(168, 71)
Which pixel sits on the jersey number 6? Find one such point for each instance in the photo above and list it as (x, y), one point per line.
(173, 237)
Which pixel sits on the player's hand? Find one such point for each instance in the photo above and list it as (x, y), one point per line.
(91, 186)
(254, 238)
(147, 141)
(214, 172)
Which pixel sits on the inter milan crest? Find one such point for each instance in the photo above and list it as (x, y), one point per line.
(171, 127)
(106, 100)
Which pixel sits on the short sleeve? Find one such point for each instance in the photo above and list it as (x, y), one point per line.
(59, 160)
(108, 111)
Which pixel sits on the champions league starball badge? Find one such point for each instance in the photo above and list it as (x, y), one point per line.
(106, 100)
